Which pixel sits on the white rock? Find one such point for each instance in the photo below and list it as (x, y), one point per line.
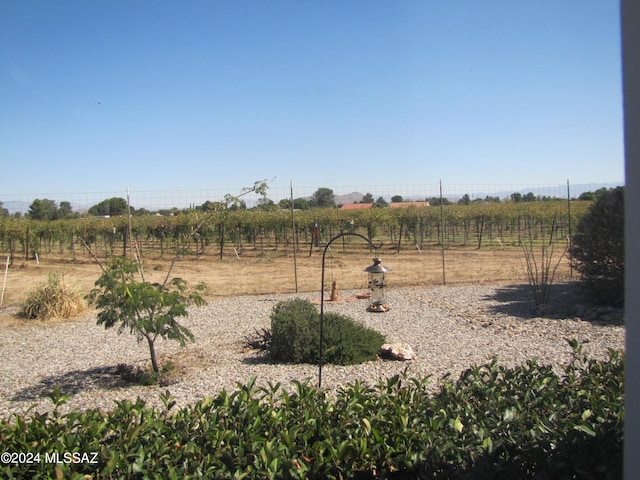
(397, 351)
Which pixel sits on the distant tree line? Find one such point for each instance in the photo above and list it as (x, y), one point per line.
(45, 209)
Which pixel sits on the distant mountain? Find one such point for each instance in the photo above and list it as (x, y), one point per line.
(574, 190)
(353, 197)
(16, 206)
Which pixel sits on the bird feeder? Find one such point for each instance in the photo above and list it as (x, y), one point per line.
(377, 301)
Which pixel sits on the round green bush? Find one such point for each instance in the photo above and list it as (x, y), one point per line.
(598, 248)
(295, 329)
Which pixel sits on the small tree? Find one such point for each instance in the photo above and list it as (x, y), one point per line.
(147, 310)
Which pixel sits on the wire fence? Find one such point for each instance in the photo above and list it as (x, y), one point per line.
(276, 252)
(159, 200)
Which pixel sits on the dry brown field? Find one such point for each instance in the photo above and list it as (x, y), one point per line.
(275, 272)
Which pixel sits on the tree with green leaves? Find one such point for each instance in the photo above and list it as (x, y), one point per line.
(3, 211)
(324, 198)
(266, 204)
(65, 210)
(465, 200)
(381, 203)
(592, 196)
(436, 201)
(43, 209)
(147, 310)
(367, 198)
(112, 206)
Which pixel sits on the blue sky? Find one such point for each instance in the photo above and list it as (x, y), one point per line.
(163, 95)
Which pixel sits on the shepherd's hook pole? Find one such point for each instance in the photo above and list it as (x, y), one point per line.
(324, 253)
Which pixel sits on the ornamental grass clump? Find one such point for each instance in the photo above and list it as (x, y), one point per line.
(56, 298)
(295, 329)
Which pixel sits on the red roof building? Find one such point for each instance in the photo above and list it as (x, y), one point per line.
(356, 206)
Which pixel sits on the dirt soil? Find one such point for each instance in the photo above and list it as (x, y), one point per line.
(278, 273)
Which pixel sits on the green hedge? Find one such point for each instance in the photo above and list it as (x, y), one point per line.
(493, 422)
(295, 329)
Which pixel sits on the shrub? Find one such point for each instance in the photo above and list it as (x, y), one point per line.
(54, 299)
(347, 342)
(525, 422)
(598, 248)
(295, 326)
(541, 269)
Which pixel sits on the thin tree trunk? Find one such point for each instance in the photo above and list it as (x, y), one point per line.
(152, 351)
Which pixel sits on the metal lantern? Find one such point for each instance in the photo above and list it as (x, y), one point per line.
(377, 302)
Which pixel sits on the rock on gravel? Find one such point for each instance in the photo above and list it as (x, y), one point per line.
(450, 328)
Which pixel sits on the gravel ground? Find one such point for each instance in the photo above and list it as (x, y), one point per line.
(449, 327)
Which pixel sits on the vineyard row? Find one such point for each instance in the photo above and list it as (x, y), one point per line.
(247, 232)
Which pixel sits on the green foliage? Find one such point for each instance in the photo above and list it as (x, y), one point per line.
(381, 203)
(147, 310)
(43, 209)
(592, 196)
(436, 201)
(598, 248)
(346, 342)
(525, 422)
(323, 197)
(295, 327)
(112, 206)
(465, 200)
(482, 225)
(56, 298)
(367, 198)
(517, 197)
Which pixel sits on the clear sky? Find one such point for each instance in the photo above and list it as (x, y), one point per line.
(156, 95)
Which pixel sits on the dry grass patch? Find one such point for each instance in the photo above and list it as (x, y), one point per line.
(57, 298)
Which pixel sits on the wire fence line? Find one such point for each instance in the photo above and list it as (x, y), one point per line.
(156, 200)
(477, 248)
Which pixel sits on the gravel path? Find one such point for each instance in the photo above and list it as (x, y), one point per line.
(449, 327)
